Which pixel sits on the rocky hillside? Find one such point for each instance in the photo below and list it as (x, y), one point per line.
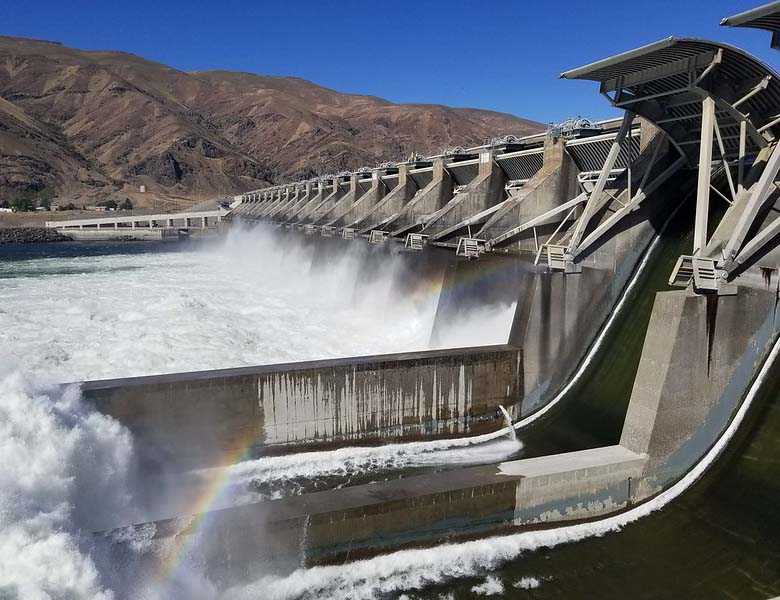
(85, 125)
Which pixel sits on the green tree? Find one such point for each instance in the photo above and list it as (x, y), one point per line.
(23, 203)
(126, 205)
(108, 204)
(68, 206)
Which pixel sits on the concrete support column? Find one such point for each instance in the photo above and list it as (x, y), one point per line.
(438, 169)
(203, 222)
(485, 162)
(403, 173)
(647, 132)
(553, 150)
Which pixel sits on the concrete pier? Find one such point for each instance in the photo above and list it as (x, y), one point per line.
(372, 217)
(699, 356)
(485, 191)
(340, 186)
(426, 201)
(374, 190)
(551, 186)
(296, 210)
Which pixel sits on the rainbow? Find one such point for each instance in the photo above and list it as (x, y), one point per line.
(172, 558)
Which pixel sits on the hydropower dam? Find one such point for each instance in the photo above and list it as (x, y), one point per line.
(639, 261)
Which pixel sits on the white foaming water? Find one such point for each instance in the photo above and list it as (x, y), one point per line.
(250, 299)
(492, 586)
(64, 469)
(355, 461)
(417, 569)
(508, 421)
(527, 583)
(67, 470)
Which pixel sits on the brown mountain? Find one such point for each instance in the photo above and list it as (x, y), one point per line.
(87, 125)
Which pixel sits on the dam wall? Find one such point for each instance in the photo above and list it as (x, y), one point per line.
(700, 354)
(557, 315)
(201, 419)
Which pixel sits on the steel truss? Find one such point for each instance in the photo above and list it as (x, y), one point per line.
(575, 233)
(720, 107)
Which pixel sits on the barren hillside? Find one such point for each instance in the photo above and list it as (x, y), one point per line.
(85, 125)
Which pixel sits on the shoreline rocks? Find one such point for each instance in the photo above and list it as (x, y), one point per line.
(29, 235)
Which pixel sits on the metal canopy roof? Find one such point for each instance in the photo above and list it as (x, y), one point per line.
(666, 82)
(764, 17)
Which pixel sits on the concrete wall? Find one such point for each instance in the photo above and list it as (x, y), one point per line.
(575, 485)
(202, 418)
(699, 356)
(363, 520)
(139, 233)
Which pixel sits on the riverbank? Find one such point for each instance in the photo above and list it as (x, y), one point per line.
(29, 235)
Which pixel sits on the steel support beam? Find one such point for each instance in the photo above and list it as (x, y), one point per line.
(644, 190)
(705, 173)
(540, 220)
(758, 197)
(595, 196)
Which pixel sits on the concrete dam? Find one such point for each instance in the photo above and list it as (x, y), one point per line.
(637, 260)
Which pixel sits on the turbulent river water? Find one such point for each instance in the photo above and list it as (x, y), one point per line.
(86, 311)
(79, 311)
(76, 311)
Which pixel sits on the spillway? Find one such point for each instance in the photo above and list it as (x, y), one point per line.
(530, 364)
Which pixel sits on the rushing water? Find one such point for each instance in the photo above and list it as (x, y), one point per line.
(78, 313)
(89, 310)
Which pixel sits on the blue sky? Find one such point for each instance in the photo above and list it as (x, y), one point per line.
(503, 56)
